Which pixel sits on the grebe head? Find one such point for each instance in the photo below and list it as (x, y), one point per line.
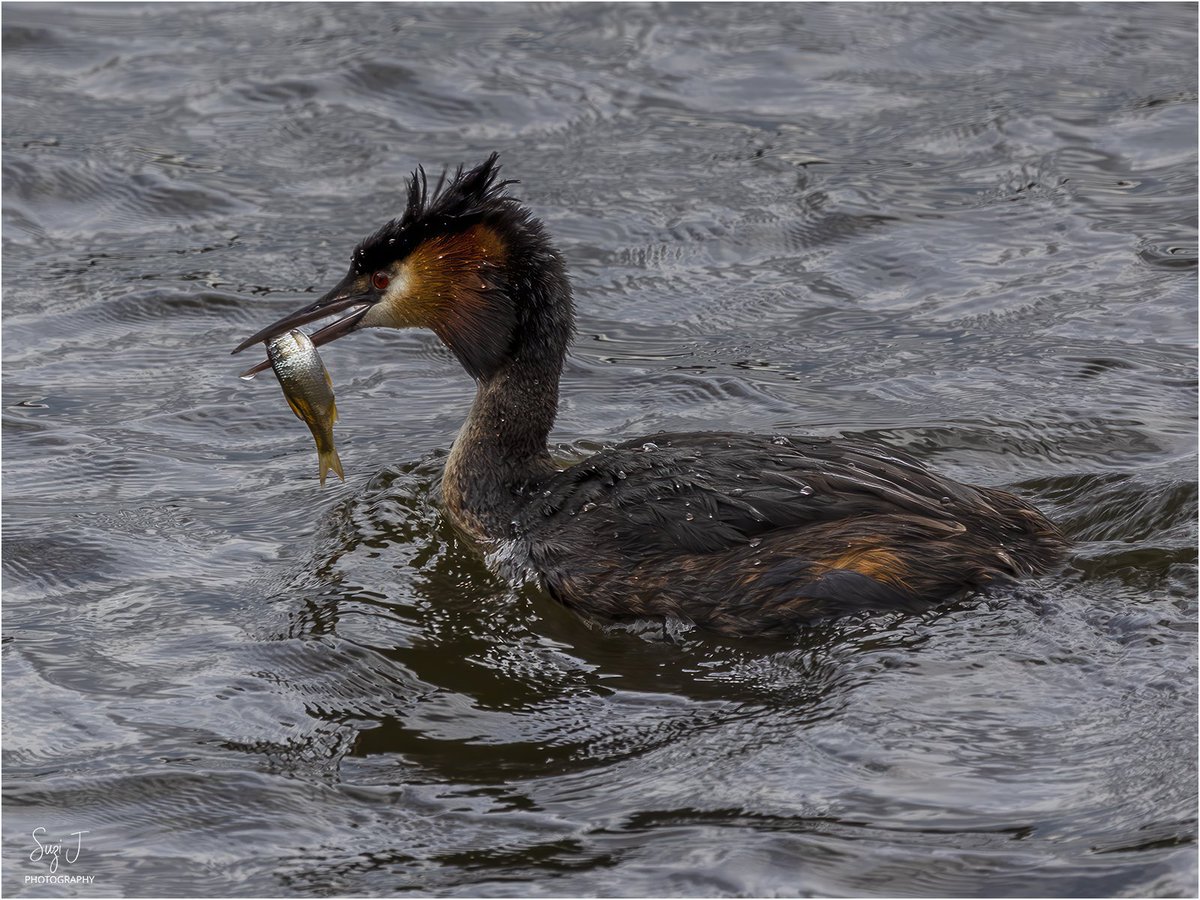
(466, 261)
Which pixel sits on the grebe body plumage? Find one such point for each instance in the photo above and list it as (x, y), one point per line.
(735, 533)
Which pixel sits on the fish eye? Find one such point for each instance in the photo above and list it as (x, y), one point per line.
(380, 281)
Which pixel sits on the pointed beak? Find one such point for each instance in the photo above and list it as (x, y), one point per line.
(348, 297)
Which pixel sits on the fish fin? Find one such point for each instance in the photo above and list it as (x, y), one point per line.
(329, 459)
(295, 408)
(333, 417)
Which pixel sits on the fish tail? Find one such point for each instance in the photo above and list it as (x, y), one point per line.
(329, 459)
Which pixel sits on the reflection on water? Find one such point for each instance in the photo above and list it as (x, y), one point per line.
(967, 231)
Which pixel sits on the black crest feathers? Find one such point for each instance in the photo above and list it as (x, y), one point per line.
(466, 198)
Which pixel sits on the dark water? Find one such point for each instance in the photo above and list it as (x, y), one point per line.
(968, 231)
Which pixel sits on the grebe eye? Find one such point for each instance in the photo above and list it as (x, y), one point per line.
(380, 281)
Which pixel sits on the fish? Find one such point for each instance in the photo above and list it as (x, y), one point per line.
(308, 390)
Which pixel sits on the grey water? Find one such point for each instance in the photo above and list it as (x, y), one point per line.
(967, 231)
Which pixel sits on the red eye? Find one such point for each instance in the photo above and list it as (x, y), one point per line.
(380, 281)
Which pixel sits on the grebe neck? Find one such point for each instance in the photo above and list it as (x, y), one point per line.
(501, 450)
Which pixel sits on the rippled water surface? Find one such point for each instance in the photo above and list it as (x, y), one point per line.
(967, 231)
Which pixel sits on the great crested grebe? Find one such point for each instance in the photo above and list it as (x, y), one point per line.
(735, 533)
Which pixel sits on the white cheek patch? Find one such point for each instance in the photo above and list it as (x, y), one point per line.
(388, 312)
(397, 288)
